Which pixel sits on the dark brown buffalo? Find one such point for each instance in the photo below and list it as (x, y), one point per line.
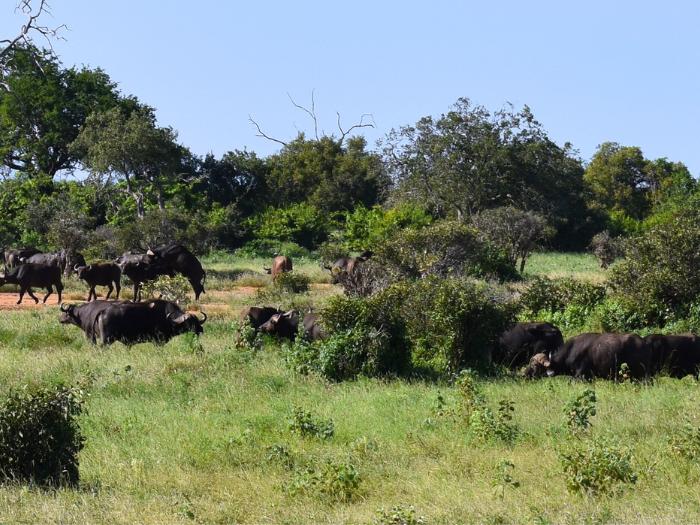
(13, 256)
(84, 316)
(675, 355)
(282, 325)
(182, 261)
(280, 264)
(139, 268)
(258, 315)
(31, 275)
(312, 327)
(346, 266)
(100, 274)
(523, 340)
(601, 355)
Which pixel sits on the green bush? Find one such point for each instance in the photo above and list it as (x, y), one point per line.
(305, 424)
(544, 294)
(292, 282)
(168, 288)
(580, 410)
(301, 223)
(366, 228)
(330, 480)
(399, 515)
(597, 467)
(40, 437)
(268, 248)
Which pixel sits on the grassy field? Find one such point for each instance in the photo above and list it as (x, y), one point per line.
(200, 433)
(582, 266)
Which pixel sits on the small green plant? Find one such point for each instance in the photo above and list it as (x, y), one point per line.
(331, 480)
(280, 454)
(503, 478)
(292, 282)
(686, 442)
(597, 467)
(247, 337)
(305, 424)
(398, 515)
(470, 394)
(580, 410)
(168, 288)
(40, 437)
(623, 374)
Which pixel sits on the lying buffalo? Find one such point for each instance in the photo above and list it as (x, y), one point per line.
(523, 340)
(601, 355)
(157, 321)
(84, 316)
(346, 266)
(280, 264)
(140, 268)
(675, 355)
(537, 366)
(181, 260)
(272, 321)
(100, 274)
(31, 275)
(258, 315)
(282, 325)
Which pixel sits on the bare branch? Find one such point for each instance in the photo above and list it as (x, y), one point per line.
(263, 135)
(361, 124)
(31, 25)
(311, 112)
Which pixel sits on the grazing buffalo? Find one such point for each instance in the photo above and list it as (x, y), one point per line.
(346, 265)
(280, 264)
(84, 316)
(258, 315)
(601, 355)
(100, 274)
(13, 257)
(537, 367)
(74, 259)
(312, 327)
(132, 323)
(282, 325)
(139, 268)
(34, 275)
(676, 355)
(523, 340)
(181, 260)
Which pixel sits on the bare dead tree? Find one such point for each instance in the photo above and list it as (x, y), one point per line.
(31, 26)
(311, 112)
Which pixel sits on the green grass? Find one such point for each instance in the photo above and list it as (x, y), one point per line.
(582, 266)
(174, 435)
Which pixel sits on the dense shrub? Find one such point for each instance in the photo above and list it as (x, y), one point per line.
(292, 282)
(40, 437)
(334, 481)
(597, 467)
(367, 278)
(366, 228)
(305, 424)
(301, 223)
(445, 249)
(269, 248)
(168, 288)
(544, 294)
(606, 248)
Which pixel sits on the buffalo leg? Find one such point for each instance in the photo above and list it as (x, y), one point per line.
(31, 294)
(119, 288)
(92, 294)
(109, 291)
(137, 291)
(50, 291)
(59, 291)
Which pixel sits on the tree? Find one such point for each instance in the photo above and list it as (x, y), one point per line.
(30, 28)
(43, 110)
(516, 232)
(130, 146)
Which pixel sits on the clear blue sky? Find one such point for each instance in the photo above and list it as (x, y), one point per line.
(591, 71)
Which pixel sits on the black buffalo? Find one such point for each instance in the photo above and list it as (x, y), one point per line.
(140, 268)
(537, 366)
(57, 259)
(258, 315)
(182, 261)
(100, 274)
(523, 340)
(676, 355)
(84, 316)
(312, 327)
(31, 275)
(13, 256)
(283, 325)
(157, 321)
(601, 355)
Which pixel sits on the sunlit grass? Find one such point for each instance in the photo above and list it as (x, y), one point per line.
(555, 265)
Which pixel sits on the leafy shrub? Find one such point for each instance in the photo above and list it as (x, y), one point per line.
(292, 282)
(330, 251)
(579, 411)
(445, 249)
(305, 424)
(515, 232)
(606, 248)
(331, 480)
(544, 294)
(366, 228)
(659, 276)
(168, 288)
(279, 454)
(686, 442)
(366, 279)
(399, 515)
(597, 467)
(302, 223)
(269, 248)
(40, 437)
(503, 477)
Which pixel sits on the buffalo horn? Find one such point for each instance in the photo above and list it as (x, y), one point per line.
(150, 253)
(204, 318)
(64, 308)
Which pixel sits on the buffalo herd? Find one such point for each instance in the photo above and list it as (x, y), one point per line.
(536, 348)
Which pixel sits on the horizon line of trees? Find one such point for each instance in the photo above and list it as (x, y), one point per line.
(144, 187)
